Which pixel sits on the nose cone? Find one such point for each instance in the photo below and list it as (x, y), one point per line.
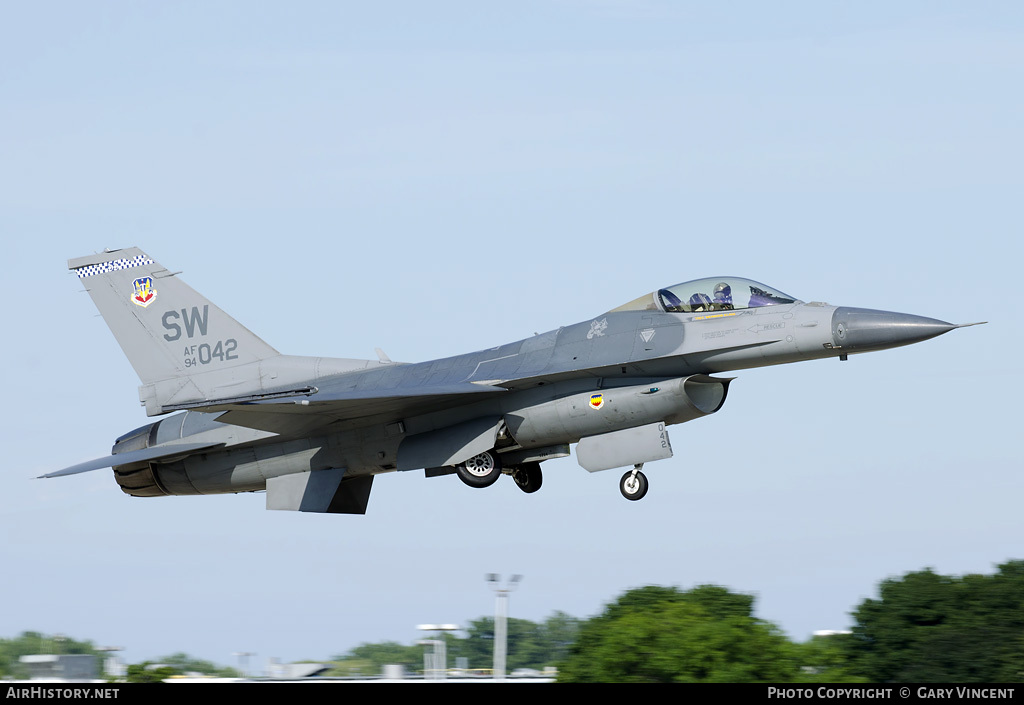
(863, 329)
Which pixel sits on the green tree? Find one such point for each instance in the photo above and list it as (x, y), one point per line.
(148, 672)
(824, 659)
(183, 663)
(526, 647)
(935, 628)
(370, 659)
(558, 633)
(658, 634)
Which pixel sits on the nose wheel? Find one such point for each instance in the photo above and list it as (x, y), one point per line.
(633, 484)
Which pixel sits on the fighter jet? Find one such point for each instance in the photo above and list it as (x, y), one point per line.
(313, 432)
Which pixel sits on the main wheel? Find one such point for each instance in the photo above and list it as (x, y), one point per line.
(528, 477)
(633, 487)
(480, 471)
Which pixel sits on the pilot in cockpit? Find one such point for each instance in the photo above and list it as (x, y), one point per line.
(723, 297)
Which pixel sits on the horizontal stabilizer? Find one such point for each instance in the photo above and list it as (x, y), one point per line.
(133, 456)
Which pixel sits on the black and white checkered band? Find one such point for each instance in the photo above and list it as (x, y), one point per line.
(112, 265)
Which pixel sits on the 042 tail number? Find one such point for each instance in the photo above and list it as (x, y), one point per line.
(204, 353)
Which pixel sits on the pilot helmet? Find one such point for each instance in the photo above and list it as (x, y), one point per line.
(723, 293)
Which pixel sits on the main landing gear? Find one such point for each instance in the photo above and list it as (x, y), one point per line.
(480, 471)
(528, 477)
(633, 484)
(483, 470)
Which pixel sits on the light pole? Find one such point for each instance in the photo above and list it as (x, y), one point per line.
(501, 620)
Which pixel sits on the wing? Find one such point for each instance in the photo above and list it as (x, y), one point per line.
(306, 414)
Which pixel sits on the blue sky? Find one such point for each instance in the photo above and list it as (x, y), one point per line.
(437, 178)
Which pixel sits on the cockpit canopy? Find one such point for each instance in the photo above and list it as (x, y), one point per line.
(715, 294)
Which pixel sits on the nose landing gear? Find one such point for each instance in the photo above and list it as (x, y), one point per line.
(633, 484)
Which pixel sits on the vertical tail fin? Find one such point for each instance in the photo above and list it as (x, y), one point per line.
(173, 336)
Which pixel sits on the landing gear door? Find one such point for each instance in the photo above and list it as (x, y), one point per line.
(630, 446)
